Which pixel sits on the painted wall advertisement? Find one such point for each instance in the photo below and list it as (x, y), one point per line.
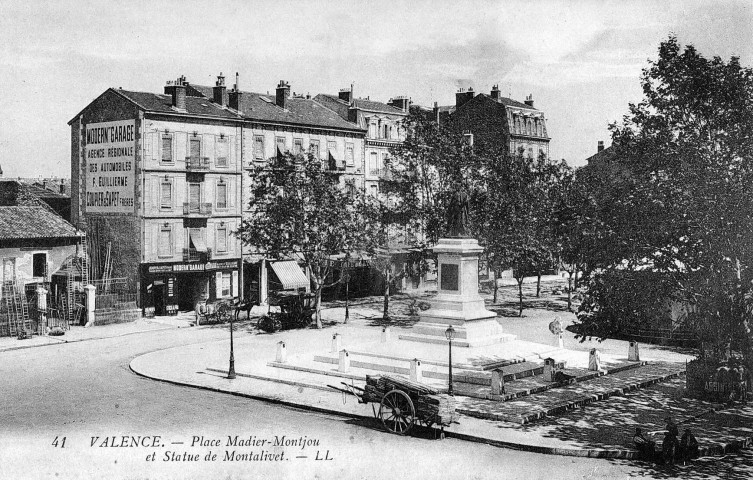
(110, 165)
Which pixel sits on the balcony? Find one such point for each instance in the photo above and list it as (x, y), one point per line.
(197, 164)
(193, 255)
(197, 209)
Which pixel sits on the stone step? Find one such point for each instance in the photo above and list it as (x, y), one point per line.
(552, 401)
(481, 342)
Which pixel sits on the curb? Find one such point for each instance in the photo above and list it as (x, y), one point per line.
(733, 446)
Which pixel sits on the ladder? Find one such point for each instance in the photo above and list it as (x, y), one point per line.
(24, 320)
(7, 325)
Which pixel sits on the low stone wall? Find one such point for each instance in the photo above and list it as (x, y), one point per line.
(124, 314)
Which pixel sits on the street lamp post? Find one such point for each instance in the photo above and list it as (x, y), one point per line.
(450, 334)
(347, 296)
(231, 370)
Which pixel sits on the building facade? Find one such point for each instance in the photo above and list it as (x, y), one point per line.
(156, 184)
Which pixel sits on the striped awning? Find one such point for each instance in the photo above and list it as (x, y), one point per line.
(290, 275)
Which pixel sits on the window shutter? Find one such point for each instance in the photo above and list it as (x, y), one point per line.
(235, 283)
(155, 146)
(231, 151)
(208, 147)
(148, 247)
(180, 142)
(218, 284)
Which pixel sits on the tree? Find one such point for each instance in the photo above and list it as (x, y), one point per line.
(299, 208)
(685, 210)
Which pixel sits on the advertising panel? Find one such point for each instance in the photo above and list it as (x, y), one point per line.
(110, 167)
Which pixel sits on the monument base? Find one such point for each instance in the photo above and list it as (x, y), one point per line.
(476, 333)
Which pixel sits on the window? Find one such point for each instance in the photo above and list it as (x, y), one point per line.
(222, 195)
(9, 269)
(39, 265)
(194, 195)
(350, 186)
(166, 195)
(386, 131)
(165, 247)
(349, 153)
(373, 164)
(225, 288)
(167, 147)
(374, 191)
(332, 155)
(280, 141)
(258, 148)
(221, 151)
(297, 146)
(222, 239)
(372, 130)
(315, 148)
(194, 149)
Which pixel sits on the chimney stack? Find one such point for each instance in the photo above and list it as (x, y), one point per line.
(495, 92)
(600, 146)
(177, 90)
(529, 100)
(219, 90)
(462, 96)
(235, 95)
(401, 102)
(283, 92)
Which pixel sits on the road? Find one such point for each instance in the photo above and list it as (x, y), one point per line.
(80, 391)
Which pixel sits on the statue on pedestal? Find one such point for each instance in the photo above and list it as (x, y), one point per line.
(457, 216)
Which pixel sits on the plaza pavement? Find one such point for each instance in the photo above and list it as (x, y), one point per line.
(596, 417)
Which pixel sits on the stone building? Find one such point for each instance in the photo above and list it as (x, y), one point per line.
(498, 122)
(156, 184)
(382, 123)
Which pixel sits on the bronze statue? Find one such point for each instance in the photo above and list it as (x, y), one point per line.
(457, 215)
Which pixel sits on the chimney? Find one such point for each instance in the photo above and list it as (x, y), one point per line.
(600, 146)
(283, 92)
(346, 95)
(495, 92)
(235, 95)
(400, 102)
(177, 90)
(529, 100)
(462, 96)
(436, 112)
(218, 91)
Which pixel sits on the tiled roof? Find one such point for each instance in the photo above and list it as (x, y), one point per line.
(14, 193)
(300, 111)
(603, 156)
(157, 102)
(42, 192)
(373, 106)
(335, 103)
(33, 222)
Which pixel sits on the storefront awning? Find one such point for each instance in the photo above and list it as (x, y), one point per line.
(197, 238)
(290, 275)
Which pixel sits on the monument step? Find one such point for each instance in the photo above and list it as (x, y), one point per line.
(479, 342)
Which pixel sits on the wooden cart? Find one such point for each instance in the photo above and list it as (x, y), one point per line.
(403, 403)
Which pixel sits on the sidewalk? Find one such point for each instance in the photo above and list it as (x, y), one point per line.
(603, 429)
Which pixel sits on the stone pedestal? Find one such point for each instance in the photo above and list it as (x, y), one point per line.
(458, 302)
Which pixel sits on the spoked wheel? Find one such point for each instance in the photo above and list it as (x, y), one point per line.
(397, 412)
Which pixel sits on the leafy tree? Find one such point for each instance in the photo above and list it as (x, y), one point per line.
(685, 206)
(299, 208)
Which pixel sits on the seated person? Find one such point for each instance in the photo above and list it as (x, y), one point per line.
(644, 446)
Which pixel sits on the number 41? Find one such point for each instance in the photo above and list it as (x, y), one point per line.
(59, 442)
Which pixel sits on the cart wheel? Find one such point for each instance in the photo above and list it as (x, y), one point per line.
(396, 412)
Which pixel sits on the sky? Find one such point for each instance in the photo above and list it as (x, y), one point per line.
(581, 60)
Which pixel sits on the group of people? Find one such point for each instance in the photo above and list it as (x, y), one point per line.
(672, 450)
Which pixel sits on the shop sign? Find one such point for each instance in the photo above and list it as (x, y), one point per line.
(110, 160)
(192, 267)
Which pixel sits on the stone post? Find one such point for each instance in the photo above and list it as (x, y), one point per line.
(90, 305)
(498, 382)
(633, 355)
(336, 343)
(594, 360)
(416, 370)
(344, 363)
(549, 370)
(42, 306)
(282, 353)
(385, 334)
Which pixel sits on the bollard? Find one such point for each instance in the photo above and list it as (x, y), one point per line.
(549, 370)
(594, 360)
(344, 364)
(336, 343)
(282, 353)
(385, 334)
(416, 370)
(560, 343)
(90, 304)
(498, 382)
(633, 355)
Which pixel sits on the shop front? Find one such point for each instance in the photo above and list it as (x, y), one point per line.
(172, 287)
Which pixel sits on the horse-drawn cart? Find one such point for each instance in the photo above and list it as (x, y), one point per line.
(403, 403)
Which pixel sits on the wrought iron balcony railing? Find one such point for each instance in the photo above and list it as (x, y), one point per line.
(197, 163)
(197, 209)
(193, 255)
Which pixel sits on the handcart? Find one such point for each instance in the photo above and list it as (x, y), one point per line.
(403, 403)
